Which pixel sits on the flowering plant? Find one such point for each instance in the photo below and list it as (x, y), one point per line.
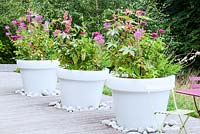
(78, 51)
(32, 38)
(136, 52)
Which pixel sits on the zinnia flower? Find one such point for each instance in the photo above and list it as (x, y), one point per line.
(154, 35)
(139, 33)
(161, 31)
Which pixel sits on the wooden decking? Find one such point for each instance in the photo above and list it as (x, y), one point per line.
(26, 115)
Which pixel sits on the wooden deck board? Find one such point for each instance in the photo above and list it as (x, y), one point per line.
(25, 115)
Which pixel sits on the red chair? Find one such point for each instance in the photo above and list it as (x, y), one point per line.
(194, 90)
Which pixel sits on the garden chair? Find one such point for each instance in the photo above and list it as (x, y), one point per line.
(177, 112)
(194, 90)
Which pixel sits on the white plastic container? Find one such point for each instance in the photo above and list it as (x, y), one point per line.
(81, 88)
(38, 75)
(136, 100)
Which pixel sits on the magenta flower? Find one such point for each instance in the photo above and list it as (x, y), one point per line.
(15, 37)
(56, 32)
(139, 33)
(106, 25)
(154, 35)
(143, 23)
(98, 38)
(7, 34)
(140, 13)
(96, 34)
(161, 31)
(14, 22)
(7, 27)
(67, 31)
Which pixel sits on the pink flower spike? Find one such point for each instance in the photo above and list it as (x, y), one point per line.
(140, 13)
(22, 25)
(7, 27)
(139, 33)
(7, 34)
(154, 35)
(56, 32)
(143, 23)
(161, 31)
(65, 16)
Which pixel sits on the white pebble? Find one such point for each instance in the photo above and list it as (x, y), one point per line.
(150, 130)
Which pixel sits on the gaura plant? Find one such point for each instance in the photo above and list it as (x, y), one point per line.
(135, 52)
(77, 50)
(32, 39)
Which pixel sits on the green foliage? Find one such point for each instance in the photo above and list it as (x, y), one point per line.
(32, 39)
(184, 21)
(6, 53)
(136, 52)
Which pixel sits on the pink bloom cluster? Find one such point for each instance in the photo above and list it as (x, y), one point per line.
(139, 33)
(140, 13)
(67, 21)
(107, 25)
(98, 38)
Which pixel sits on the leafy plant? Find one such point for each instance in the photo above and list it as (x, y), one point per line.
(32, 38)
(136, 52)
(78, 51)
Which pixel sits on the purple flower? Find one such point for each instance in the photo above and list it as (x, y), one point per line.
(154, 35)
(139, 33)
(14, 22)
(161, 31)
(56, 32)
(28, 18)
(7, 27)
(143, 23)
(7, 34)
(98, 38)
(106, 25)
(15, 37)
(22, 25)
(38, 18)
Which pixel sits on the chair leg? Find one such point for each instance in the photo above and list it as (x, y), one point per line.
(183, 123)
(196, 105)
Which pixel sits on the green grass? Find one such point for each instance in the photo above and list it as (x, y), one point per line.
(107, 91)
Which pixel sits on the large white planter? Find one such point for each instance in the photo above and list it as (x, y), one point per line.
(38, 76)
(136, 100)
(81, 88)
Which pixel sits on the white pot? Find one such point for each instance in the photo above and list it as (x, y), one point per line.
(38, 75)
(136, 100)
(81, 88)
